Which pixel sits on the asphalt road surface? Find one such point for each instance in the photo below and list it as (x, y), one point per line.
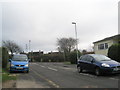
(59, 75)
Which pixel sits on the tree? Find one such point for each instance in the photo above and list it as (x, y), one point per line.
(84, 52)
(12, 46)
(66, 45)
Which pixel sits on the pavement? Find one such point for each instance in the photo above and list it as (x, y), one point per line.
(59, 75)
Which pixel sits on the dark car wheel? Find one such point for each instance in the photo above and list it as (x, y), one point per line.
(79, 69)
(28, 71)
(10, 71)
(97, 72)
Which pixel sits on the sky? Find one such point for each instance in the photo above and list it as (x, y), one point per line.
(44, 21)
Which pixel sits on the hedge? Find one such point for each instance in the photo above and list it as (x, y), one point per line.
(5, 57)
(49, 58)
(0, 59)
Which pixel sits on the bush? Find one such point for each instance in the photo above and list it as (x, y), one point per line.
(0, 61)
(5, 57)
(73, 57)
(114, 52)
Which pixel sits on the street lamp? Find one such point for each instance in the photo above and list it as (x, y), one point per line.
(29, 49)
(76, 39)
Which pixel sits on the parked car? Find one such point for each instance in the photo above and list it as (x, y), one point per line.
(19, 63)
(99, 64)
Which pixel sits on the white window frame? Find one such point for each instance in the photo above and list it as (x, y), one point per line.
(103, 46)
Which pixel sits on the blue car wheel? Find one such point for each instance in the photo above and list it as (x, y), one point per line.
(27, 71)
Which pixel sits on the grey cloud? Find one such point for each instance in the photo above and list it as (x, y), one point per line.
(44, 22)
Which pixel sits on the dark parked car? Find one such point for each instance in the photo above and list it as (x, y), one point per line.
(99, 64)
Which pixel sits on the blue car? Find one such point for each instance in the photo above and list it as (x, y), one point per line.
(99, 64)
(19, 63)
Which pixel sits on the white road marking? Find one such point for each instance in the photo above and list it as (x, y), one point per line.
(52, 69)
(33, 63)
(66, 68)
(47, 67)
(42, 66)
(87, 75)
(114, 78)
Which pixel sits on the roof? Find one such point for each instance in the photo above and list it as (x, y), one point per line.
(108, 38)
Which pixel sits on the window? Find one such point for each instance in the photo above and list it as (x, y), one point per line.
(20, 58)
(91, 58)
(106, 45)
(88, 59)
(83, 57)
(101, 57)
(103, 46)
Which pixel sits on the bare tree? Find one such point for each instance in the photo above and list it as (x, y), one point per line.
(66, 45)
(12, 46)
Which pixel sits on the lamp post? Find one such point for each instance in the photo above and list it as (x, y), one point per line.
(29, 49)
(76, 39)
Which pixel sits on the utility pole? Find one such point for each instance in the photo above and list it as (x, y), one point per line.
(29, 45)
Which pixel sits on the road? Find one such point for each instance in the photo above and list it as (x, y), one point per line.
(59, 75)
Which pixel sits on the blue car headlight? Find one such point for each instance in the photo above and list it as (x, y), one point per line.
(26, 65)
(105, 65)
(12, 65)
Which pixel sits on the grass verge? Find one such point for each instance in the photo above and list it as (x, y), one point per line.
(6, 76)
(67, 63)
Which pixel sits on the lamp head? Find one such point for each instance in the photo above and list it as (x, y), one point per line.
(73, 23)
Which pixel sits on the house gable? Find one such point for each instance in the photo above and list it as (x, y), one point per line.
(102, 46)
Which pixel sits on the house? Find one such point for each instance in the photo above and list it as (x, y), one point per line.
(102, 46)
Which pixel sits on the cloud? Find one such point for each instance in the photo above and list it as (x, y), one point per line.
(43, 21)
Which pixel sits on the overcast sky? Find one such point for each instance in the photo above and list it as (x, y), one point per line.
(43, 21)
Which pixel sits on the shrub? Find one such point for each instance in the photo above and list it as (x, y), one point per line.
(73, 57)
(0, 59)
(5, 57)
(114, 52)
